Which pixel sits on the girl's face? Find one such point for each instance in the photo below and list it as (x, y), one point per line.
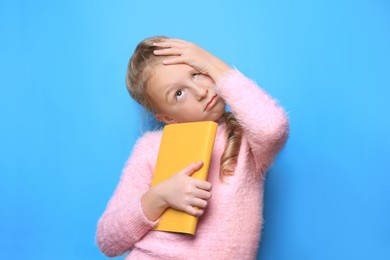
(181, 94)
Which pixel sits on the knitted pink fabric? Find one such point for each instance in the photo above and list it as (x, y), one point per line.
(231, 225)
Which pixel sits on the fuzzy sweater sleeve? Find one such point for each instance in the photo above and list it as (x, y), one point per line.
(123, 223)
(264, 122)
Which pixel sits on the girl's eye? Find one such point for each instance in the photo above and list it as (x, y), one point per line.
(178, 94)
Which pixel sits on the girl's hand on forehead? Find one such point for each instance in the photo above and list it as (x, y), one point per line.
(183, 52)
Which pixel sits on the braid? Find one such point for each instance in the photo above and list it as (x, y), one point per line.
(232, 148)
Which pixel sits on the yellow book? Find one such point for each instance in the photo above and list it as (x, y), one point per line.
(181, 145)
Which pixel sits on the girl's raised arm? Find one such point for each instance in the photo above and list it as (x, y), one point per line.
(263, 121)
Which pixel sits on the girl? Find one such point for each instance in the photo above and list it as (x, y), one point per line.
(180, 82)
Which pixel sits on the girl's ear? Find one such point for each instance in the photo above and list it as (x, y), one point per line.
(164, 118)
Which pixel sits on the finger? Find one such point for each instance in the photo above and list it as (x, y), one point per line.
(199, 203)
(170, 41)
(202, 194)
(190, 169)
(194, 211)
(203, 185)
(168, 46)
(176, 60)
(167, 52)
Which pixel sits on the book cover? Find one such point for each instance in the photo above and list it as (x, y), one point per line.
(181, 145)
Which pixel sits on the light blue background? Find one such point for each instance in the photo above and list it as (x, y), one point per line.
(68, 124)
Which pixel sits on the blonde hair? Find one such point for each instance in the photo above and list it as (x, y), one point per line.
(139, 71)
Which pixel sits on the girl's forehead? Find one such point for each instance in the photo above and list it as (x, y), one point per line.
(164, 76)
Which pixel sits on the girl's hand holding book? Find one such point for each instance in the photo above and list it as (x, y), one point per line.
(181, 192)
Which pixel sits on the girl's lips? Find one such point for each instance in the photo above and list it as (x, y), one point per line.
(211, 103)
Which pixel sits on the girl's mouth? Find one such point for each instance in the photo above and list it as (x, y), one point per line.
(211, 103)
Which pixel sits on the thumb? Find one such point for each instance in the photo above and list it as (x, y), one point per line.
(190, 169)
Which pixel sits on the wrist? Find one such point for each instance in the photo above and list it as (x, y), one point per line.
(218, 69)
(153, 203)
(158, 193)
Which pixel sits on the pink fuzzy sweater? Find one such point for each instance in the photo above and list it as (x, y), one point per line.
(231, 225)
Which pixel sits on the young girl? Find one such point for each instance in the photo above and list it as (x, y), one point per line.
(180, 82)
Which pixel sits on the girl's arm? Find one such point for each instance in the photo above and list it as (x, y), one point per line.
(264, 122)
(123, 223)
(135, 207)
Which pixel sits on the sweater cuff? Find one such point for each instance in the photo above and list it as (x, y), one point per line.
(231, 73)
(136, 226)
(141, 214)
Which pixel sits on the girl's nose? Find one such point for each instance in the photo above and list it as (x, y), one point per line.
(201, 92)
